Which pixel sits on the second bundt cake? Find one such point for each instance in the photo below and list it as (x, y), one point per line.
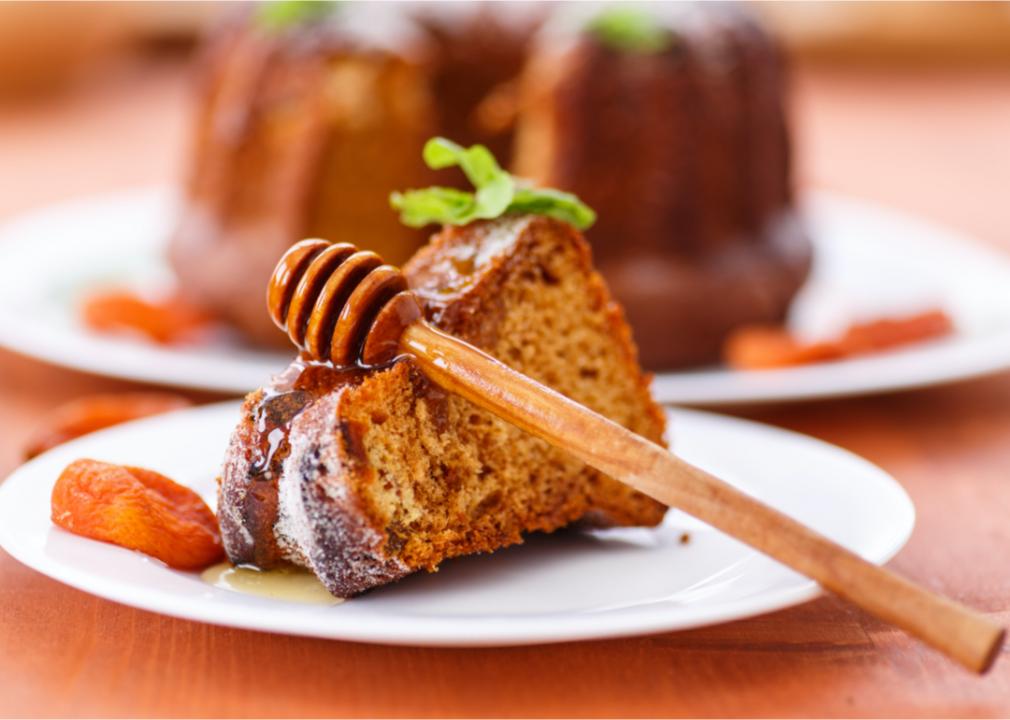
(668, 119)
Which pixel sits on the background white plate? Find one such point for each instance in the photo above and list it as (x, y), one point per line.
(870, 262)
(56, 256)
(567, 586)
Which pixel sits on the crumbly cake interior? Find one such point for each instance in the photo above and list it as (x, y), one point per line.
(450, 478)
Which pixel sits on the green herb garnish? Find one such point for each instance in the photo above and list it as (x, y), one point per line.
(280, 14)
(497, 192)
(630, 29)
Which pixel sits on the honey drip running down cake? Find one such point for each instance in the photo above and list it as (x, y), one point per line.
(668, 120)
(367, 475)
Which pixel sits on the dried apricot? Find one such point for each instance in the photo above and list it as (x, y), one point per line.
(168, 321)
(761, 347)
(891, 332)
(137, 509)
(94, 412)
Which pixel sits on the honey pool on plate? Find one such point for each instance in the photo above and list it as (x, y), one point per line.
(287, 584)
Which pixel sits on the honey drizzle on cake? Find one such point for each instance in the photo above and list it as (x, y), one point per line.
(294, 391)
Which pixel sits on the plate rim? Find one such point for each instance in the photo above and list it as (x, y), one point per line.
(146, 365)
(428, 631)
(977, 356)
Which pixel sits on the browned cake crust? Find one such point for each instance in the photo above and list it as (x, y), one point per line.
(685, 156)
(365, 476)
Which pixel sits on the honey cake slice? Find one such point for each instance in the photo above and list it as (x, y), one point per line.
(365, 476)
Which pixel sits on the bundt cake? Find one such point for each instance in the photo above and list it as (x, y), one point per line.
(308, 115)
(367, 475)
(668, 119)
(304, 126)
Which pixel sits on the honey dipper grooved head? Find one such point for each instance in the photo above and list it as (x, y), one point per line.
(339, 304)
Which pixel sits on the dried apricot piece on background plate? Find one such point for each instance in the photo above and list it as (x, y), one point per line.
(137, 509)
(757, 347)
(95, 412)
(167, 321)
(893, 332)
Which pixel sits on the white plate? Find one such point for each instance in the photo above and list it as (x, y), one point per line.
(870, 262)
(55, 256)
(568, 586)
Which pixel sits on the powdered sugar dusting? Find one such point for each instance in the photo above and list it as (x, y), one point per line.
(294, 528)
(320, 524)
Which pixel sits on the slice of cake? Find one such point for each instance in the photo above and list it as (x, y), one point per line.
(365, 476)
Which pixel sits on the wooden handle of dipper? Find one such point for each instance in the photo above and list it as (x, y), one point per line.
(345, 306)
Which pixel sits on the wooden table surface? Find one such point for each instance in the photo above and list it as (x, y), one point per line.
(937, 143)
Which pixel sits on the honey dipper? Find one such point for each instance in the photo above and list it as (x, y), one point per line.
(344, 306)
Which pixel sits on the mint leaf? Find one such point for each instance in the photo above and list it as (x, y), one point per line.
(553, 203)
(433, 205)
(497, 192)
(280, 14)
(440, 153)
(476, 162)
(494, 197)
(630, 29)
